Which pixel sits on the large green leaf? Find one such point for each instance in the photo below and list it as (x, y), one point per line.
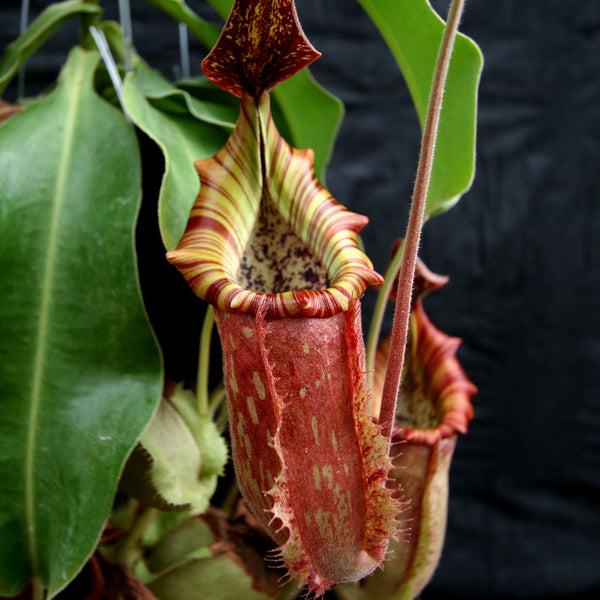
(51, 19)
(80, 373)
(183, 139)
(413, 31)
(308, 116)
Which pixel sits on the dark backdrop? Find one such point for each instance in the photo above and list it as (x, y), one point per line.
(522, 249)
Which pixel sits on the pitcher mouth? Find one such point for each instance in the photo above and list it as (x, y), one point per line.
(264, 232)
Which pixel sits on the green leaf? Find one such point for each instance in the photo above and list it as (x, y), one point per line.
(51, 19)
(81, 373)
(223, 7)
(308, 117)
(195, 96)
(188, 540)
(221, 577)
(207, 33)
(179, 457)
(413, 31)
(183, 139)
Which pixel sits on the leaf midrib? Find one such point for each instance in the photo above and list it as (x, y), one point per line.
(72, 111)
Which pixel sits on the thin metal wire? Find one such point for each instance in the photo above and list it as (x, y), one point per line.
(184, 51)
(125, 19)
(22, 27)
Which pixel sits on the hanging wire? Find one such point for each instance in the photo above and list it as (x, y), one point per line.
(184, 51)
(22, 27)
(111, 66)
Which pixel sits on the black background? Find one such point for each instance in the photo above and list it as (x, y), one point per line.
(521, 248)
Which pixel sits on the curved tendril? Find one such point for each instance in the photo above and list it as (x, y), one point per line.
(415, 222)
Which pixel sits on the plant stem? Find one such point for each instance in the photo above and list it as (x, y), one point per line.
(216, 398)
(415, 222)
(86, 23)
(38, 592)
(128, 550)
(204, 361)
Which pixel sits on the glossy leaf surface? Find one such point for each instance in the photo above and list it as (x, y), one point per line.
(413, 31)
(51, 19)
(222, 6)
(80, 372)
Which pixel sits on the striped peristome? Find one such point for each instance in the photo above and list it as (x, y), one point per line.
(235, 185)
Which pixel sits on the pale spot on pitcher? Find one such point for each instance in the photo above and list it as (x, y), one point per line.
(323, 519)
(317, 477)
(315, 429)
(252, 410)
(327, 471)
(243, 437)
(334, 441)
(232, 380)
(259, 385)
